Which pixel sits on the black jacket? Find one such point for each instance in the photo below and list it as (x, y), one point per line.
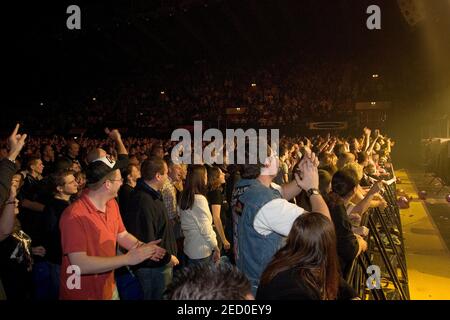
(51, 238)
(7, 170)
(124, 197)
(346, 242)
(146, 218)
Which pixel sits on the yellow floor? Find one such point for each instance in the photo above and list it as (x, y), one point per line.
(427, 257)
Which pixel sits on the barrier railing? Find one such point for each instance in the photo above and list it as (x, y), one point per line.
(386, 251)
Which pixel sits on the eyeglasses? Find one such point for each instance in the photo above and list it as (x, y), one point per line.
(112, 180)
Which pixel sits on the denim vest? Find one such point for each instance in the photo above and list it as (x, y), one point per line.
(254, 251)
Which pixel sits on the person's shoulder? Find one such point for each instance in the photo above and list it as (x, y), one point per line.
(200, 198)
(138, 193)
(283, 286)
(112, 203)
(214, 193)
(245, 182)
(74, 210)
(127, 188)
(276, 186)
(57, 203)
(338, 210)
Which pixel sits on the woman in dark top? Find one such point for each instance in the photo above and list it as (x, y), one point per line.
(216, 178)
(306, 268)
(349, 245)
(15, 268)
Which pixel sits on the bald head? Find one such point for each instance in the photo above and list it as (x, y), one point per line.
(95, 154)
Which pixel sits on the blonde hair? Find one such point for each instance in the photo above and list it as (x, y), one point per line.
(354, 168)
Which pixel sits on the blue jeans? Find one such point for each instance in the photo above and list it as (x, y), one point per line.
(46, 280)
(128, 286)
(154, 281)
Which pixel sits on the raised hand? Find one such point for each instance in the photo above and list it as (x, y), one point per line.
(377, 187)
(226, 245)
(347, 146)
(307, 176)
(362, 243)
(113, 134)
(16, 142)
(174, 261)
(13, 191)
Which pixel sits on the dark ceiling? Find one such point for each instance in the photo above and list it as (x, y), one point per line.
(122, 38)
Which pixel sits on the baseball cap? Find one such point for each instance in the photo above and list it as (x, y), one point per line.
(101, 167)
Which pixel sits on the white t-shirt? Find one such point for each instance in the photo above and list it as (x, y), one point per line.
(277, 216)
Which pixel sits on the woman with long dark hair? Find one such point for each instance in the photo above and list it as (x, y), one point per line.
(349, 245)
(307, 267)
(200, 243)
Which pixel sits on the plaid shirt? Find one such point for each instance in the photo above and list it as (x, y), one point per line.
(169, 194)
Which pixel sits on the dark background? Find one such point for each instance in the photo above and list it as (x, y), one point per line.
(122, 40)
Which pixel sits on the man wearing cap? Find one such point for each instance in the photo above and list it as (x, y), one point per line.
(263, 214)
(91, 227)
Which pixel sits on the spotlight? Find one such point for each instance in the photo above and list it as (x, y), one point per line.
(94, 99)
(253, 84)
(375, 75)
(163, 93)
(373, 103)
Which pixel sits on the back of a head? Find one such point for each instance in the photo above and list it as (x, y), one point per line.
(62, 164)
(209, 282)
(195, 184)
(95, 154)
(213, 178)
(325, 158)
(324, 181)
(343, 183)
(157, 151)
(354, 169)
(310, 246)
(312, 234)
(344, 159)
(362, 157)
(250, 169)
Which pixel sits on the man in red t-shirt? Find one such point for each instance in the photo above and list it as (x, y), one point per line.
(90, 229)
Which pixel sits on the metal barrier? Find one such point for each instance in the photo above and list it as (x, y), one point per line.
(385, 250)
